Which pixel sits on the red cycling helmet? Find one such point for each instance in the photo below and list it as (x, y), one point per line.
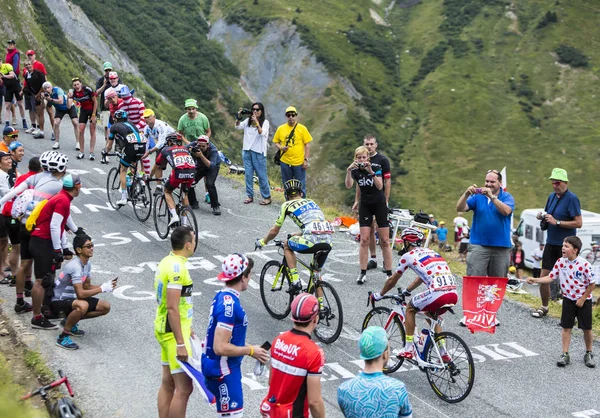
(304, 308)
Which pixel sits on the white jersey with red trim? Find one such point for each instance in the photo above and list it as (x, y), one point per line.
(431, 268)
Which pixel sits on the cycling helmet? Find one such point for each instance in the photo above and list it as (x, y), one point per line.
(65, 408)
(304, 308)
(124, 92)
(58, 162)
(292, 186)
(413, 236)
(45, 157)
(120, 115)
(174, 138)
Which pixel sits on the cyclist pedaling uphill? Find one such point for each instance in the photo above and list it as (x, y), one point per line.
(315, 234)
(130, 143)
(183, 171)
(432, 270)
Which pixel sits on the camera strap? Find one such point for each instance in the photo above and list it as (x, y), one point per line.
(291, 136)
(556, 201)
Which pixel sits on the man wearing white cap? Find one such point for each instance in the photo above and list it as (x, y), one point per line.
(225, 342)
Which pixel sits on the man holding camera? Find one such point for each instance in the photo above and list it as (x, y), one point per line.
(208, 161)
(561, 218)
(490, 244)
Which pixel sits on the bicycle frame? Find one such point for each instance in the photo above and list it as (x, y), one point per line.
(399, 220)
(313, 276)
(42, 391)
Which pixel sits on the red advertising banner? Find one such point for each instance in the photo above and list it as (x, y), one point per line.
(482, 297)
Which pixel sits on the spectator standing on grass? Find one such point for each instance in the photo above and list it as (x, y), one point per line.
(434, 222)
(459, 221)
(490, 244)
(463, 248)
(293, 140)
(563, 217)
(442, 235)
(371, 393)
(537, 256)
(577, 281)
(254, 152)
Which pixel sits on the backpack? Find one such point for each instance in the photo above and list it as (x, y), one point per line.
(421, 217)
(35, 213)
(22, 204)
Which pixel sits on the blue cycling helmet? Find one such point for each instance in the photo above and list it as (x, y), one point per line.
(120, 115)
(124, 92)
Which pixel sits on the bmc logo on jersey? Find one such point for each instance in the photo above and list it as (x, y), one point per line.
(291, 349)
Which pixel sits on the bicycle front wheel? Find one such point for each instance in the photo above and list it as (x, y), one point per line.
(275, 289)
(380, 316)
(453, 381)
(188, 218)
(141, 199)
(589, 255)
(113, 187)
(162, 217)
(331, 315)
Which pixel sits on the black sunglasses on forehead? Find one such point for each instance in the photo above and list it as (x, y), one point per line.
(495, 172)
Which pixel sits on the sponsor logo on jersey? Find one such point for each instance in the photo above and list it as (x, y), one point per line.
(228, 303)
(291, 349)
(224, 397)
(366, 182)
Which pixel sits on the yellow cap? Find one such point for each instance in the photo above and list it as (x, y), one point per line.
(148, 112)
(291, 109)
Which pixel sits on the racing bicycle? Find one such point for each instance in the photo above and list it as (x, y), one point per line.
(63, 407)
(277, 293)
(162, 215)
(591, 254)
(452, 380)
(138, 190)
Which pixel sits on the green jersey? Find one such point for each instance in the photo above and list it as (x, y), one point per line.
(193, 128)
(172, 273)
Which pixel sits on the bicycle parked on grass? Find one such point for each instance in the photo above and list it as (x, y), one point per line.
(138, 190)
(452, 381)
(162, 215)
(403, 218)
(591, 254)
(63, 407)
(276, 292)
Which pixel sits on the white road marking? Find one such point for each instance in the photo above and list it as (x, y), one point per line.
(96, 208)
(89, 190)
(585, 414)
(99, 170)
(139, 236)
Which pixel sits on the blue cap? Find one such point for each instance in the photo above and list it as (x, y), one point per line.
(9, 130)
(14, 145)
(71, 180)
(124, 92)
(372, 343)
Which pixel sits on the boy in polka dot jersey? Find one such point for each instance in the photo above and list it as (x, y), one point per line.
(576, 282)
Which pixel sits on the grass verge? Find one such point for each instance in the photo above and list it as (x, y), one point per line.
(10, 392)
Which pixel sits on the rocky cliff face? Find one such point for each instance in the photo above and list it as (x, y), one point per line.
(276, 69)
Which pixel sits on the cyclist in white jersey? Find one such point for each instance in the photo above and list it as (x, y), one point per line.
(433, 271)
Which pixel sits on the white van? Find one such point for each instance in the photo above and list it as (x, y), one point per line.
(530, 234)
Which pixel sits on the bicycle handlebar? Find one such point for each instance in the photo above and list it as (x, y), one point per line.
(41, 390)
(400, 298)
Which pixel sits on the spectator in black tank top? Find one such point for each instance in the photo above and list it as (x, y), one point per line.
(368, 177)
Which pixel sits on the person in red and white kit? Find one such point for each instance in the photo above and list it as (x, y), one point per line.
(88, 106)
(183, 171)
(48, 244)
(135, 113)
(296, 366)
(433, 271)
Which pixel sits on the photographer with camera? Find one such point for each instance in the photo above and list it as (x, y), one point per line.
(254, 150)
(63, 105)
(561, 218)
(490, 244)
(369, 179)
(206, 156)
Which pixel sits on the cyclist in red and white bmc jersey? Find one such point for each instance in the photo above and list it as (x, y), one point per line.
(183, 171)
(296, 366)
(433, 271)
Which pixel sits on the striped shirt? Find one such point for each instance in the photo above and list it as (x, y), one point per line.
(135, 110)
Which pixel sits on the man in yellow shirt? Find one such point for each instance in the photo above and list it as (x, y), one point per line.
(293, 139)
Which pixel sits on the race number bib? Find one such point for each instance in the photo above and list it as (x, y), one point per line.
(183, 161)
(131, 138)
(443, 282)
(319, 227)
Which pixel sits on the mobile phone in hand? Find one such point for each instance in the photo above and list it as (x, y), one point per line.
(266, 346)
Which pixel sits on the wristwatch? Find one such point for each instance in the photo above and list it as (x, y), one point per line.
(557, 223)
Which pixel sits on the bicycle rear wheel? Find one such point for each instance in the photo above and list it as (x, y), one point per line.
(331, 316)
(188, 218)
(454, 381)
(275, 289)
(589, 255)
(380, 316)
(141, 199)
(162, 216)
(113, 187)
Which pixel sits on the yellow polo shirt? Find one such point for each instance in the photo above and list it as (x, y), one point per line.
(295, 153)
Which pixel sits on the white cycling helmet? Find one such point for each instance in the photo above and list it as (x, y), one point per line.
(412, 235)
(45, 157)
(58, 162)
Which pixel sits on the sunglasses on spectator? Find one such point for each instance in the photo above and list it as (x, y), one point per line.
(74, 79)
(493, 171)
(556, 182)
(255, 109)
(290, 115)
(88, 246)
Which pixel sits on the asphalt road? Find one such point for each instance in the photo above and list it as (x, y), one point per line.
(116, 372)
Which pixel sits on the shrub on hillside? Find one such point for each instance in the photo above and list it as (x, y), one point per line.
(433, 59)
(374, 44)
(570, 55)
(549, 17)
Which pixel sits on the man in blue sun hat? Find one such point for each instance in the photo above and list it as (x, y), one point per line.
(372, 393)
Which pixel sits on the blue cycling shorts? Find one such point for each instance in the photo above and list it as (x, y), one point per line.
(228, 391)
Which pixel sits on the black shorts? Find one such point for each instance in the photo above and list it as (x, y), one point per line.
(30, 103)
(536, 273)
(13, 92)
(570, 311)
(551, 255)
(463, 248)
(85, 115)
(24, 238)
(366, 212)
(132, 153)
(3, 230)
(41, 251)
(66, 305)
(12, 229)
(72, 112)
